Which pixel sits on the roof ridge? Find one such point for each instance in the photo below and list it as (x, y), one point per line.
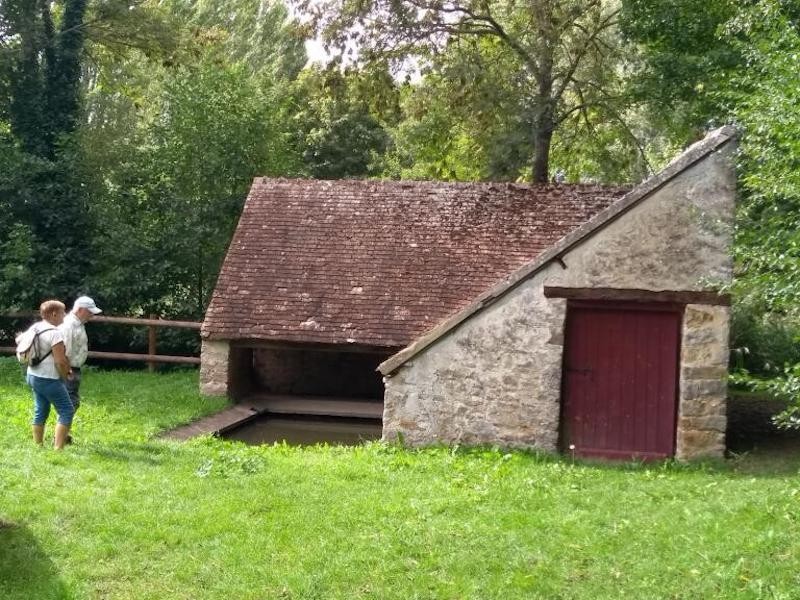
(428, 183)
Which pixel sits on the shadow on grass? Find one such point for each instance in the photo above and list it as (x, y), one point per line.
(772, 456)
(776, 456)
(148, 453)
(25, 570)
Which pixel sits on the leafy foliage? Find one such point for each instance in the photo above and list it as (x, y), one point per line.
(334, 128)
(682, 61)
(190, 175)
(765, 97)
(561, 55)
(473, 116)
(257, 34)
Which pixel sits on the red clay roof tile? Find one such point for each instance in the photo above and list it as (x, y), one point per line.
(378, 263)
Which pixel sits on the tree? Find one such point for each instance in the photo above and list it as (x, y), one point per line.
(47, 202)
(168, 205)
(256, 33)
(470, 117)
(16, 238)
(432, 141)
(681, 60)
(334, 129)
(44, 79)
(764, 98)
(565, 48)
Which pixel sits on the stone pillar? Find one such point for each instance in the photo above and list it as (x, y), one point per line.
(214, 362)
(703, 382)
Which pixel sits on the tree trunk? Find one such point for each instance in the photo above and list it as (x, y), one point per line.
(26, 107)
(544, 125)
(63, 72)
(541, 154)
(547, 40)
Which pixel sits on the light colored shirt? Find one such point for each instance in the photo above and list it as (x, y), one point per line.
(44, 344)
(76, 342)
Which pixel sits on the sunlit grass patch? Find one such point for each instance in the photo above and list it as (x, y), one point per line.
(126, 514)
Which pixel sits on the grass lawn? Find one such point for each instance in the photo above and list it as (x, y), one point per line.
(124, 515)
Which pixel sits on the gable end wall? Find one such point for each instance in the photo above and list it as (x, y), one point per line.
(496, 378)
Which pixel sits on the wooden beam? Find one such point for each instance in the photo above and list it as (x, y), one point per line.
(257, 344)
(159, 358)
(629, 295)
(281, 404)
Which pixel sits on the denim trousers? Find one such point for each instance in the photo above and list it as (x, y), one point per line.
(47, 392)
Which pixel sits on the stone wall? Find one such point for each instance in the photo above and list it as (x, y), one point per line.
(678, 239)
(496, 377)
(214, 358)
(703, 382)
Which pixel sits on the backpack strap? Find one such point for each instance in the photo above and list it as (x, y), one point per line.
(36, 360)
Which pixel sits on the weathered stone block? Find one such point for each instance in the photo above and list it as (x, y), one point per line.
(715, 353)
(717, 372)
(703, 406)
(214, 358)
(705, 423)
(696, 444)
(700, 317)
(704, 387)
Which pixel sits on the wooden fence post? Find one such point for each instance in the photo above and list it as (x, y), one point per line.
(151, 344)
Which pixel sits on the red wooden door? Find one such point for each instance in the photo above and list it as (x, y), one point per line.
(621, 380)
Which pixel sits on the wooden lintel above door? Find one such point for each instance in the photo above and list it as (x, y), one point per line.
(633, 295)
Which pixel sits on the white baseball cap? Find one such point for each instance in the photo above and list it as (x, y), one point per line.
(87, 303)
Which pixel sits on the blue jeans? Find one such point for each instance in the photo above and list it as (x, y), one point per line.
(47, 392)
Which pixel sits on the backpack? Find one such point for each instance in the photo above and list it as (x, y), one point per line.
(28, 346)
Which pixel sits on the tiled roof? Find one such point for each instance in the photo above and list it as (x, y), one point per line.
(378, 263)
(688, 158)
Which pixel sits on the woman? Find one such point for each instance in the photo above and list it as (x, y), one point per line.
(47, 378)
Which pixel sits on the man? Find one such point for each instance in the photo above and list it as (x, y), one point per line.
(77, 343)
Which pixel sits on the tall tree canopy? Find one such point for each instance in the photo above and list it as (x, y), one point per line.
(43, 70)
(563, 53)
(333, 127)
(682, 62)
(46, 204)
(160, 112)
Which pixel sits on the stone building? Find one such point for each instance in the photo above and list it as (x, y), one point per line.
(576, 317)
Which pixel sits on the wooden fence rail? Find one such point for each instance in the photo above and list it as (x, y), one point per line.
(151, 358)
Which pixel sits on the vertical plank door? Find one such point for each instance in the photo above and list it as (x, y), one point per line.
(621, 380)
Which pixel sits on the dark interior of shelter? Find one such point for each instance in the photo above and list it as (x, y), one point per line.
(325, 373)
(337, 395)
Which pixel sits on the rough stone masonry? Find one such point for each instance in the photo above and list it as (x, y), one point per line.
(492, 374)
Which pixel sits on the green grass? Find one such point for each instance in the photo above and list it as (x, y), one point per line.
(125, 515)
